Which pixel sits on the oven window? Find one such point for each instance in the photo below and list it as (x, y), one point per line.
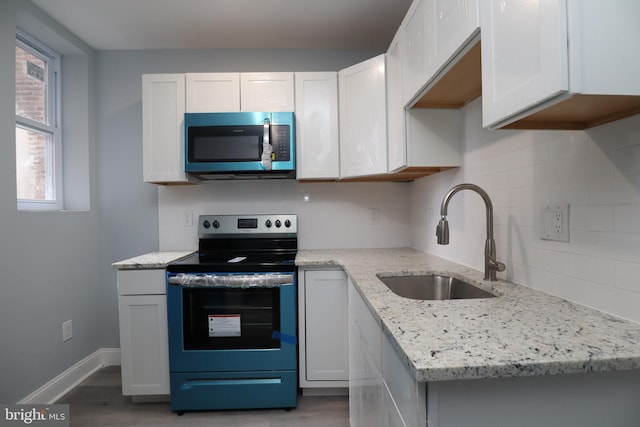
(230, 318)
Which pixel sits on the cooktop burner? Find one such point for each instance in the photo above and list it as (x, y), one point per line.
(243, 243)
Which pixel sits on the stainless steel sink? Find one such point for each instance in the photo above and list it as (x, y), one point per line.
(433, 287)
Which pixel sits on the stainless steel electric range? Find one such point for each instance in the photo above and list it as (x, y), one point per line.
(232, 315)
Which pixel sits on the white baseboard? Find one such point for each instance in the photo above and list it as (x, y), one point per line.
(53, 390)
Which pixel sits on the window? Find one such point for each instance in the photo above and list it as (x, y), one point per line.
(38, 142)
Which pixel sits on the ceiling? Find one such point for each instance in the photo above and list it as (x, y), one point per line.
(233, 24)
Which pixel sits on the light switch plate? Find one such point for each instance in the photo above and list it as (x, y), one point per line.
(554, 222)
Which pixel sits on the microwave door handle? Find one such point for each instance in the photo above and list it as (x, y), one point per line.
(267, 148)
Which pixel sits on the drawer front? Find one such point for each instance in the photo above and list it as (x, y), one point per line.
(233, 390)
(142, 282)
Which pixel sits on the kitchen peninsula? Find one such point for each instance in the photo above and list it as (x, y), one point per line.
(524, 358)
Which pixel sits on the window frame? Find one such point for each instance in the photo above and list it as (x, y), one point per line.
(52, 126)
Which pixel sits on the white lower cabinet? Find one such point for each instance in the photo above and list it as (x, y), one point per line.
(593, 399)
(144, 348)
(366, 386)
(324, 353)
(407, 396)
(382, 391)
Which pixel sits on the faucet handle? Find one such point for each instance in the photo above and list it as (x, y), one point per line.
(495, 264)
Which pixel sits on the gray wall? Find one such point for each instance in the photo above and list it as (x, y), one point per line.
(49, 261)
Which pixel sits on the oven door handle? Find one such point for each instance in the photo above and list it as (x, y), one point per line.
(270, 280)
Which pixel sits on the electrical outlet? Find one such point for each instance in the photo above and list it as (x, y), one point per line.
(374, 216)
(554, 224)
(187, 218)
(67, 331)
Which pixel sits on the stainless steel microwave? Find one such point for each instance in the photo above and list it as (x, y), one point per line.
(239, 145)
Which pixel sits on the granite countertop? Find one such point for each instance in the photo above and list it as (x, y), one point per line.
(522, 332)
(151, 260)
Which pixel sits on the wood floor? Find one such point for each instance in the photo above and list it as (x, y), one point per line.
(98, 401)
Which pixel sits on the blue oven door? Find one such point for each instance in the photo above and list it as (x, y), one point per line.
(232, 340)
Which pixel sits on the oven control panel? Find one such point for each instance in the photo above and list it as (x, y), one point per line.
(210, 225)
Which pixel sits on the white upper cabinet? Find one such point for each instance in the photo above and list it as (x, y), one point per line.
(525, 60)
(438, 37)
(396, 137)
(420, 141)
(213, 92)
(317, 137)
(267, 92)
(565, 64)
(363, 119)
(456, 24)
(232, 92)
(417, 36)
(163, 107)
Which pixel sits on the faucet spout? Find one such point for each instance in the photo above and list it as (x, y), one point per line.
(491, 265)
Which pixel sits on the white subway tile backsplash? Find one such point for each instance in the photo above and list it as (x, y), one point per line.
(627, 219)
(612, 300)
(627, 160)
(521, 177)
(628, 190)
(592, 269)
(592, 218)
(606, 190)
(550, 260)
(627, 276)
(596, 171)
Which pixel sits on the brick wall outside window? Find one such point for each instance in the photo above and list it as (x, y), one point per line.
(30, 146)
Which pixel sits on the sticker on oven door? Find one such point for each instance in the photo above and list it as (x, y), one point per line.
(224, 325)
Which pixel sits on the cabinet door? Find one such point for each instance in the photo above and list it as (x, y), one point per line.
(455, 23)
(419, 33)
(144, 344)
(317, 143)
(267, 92)
(392, 416)
(163, 107)
(366, 385)
(327, 351)
(363, 119)
(407, 394)
(524, 55)
(396, 142)
(213, 92)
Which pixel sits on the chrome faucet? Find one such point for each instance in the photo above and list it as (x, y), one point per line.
(491, 265)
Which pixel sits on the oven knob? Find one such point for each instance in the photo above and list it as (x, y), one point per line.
(268, 223)
(278, 223)
(287, 223)
(206, 224)
(216, 224)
